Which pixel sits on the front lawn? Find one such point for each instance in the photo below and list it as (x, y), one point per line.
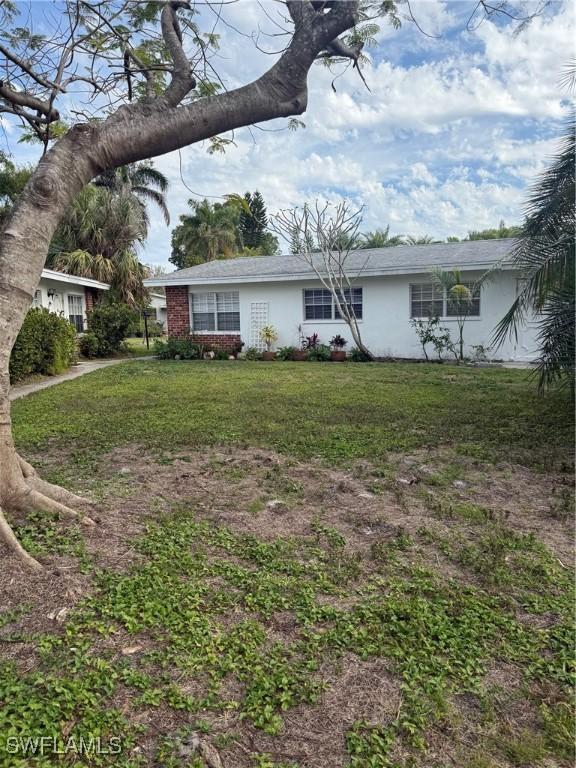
(336, 412)
(304, 565)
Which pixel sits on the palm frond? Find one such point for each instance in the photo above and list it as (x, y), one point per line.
(545, 254)
(152, 195)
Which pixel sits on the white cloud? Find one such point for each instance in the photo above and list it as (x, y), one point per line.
(447, 139)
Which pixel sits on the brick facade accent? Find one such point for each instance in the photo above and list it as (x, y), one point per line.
(227, 342)
(178, 321)
(177, 310)
(91, 297)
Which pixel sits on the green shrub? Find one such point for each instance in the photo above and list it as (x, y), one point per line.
(184, 349)
(252, 354)
(286, 353)
(89, 345)
(357, 356)
(221, 354)
(46, 344)
(110, 324)
(155, 328)
(319, 353)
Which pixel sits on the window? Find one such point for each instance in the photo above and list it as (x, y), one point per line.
(37, 300)
(215, 311)
(319, 303)
(353, 299)
(428, 300)
(471, 309)
(76, 312)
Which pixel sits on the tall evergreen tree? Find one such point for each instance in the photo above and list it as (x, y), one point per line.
(253, 224)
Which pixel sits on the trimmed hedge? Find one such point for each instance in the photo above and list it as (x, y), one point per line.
(46, 344)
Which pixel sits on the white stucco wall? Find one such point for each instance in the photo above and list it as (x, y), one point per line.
(385, 326)
(58, 303)
(158, 303)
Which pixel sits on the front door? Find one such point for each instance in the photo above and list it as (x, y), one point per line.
(258, 319)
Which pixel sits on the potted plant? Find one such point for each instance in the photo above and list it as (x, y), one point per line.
(308, 343)
(299, 354)
(337, 343)
(269, 335)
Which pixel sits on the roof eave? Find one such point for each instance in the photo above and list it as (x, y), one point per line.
(285, 278)
(63, 277)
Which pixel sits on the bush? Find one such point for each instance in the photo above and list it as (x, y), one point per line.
(89, 345)
(252, 354)
(319, 353)
(184, 349)
(357, 356)
(46, 344)
(221, 354)
(110, 324)
(286, 353)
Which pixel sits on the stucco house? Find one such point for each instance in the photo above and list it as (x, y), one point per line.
(73, 296)
(69, 295)
(158, 307)
(224, 302)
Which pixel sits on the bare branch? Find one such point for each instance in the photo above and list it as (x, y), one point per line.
(25, 67)
(323, 237)
(23, 99)
(183, 80)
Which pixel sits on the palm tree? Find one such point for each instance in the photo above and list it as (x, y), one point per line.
(142, 180)
(459, 298)
(210, 233)
(545, 252)
(420, 240)
(380, 238)
(98, 237)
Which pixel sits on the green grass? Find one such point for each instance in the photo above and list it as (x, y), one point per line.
(137, 346)
(201, 601)
(336, 412)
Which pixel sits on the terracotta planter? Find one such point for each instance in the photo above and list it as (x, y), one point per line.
(338, 355)
(299, 354)
(268, 355)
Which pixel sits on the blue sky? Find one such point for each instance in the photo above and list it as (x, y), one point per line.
(452, 132)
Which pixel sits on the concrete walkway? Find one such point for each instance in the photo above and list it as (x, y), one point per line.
(77, 370)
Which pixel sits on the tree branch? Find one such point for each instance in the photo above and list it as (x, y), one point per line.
(22, 99)
(183, 80)
(25, 67)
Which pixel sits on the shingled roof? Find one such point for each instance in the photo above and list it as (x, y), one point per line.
(369, 262)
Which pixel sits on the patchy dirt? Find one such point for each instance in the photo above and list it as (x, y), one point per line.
(270, 495)
(313, 736)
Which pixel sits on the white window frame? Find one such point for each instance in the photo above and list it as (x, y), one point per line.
(445, 317)
(81, 314)
(217, 303)
(37, 299)
(333, 308)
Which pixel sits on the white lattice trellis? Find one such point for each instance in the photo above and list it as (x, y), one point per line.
(258, 319)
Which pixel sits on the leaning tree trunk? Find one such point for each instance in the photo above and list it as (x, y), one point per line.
(23, 247)
(134, 132)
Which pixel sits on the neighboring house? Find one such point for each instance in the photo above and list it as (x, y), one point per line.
(222, 302)
(158, 304)
(68, 295)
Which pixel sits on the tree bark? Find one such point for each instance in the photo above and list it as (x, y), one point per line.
(134, 132)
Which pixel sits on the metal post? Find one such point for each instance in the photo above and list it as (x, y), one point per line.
(145, 313)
